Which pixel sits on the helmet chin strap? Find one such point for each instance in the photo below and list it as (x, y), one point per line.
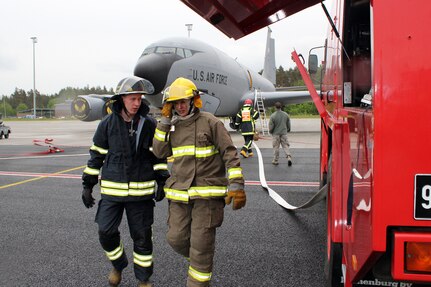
(192, 105)
(190, 111)
(126, 112)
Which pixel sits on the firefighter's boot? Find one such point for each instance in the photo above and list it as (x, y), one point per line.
(114, 278)
(244, 153)
(250, 153)
(145, 284)
(289, 160)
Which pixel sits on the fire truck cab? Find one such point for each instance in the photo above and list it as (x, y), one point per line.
(375, 156)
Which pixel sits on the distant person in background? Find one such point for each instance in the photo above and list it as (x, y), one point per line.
(244, 121)
(279, 126)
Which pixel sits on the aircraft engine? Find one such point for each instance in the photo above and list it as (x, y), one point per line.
(87, 108)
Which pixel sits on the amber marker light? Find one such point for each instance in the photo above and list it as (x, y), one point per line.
(418, 257)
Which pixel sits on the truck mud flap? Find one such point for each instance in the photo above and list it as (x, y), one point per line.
(350, 201)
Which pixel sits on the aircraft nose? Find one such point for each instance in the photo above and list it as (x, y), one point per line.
(155, 68)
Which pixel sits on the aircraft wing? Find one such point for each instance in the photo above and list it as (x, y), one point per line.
(286, 98)
(295, 88)
(238, 18)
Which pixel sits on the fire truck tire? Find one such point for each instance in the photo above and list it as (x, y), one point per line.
(333, 271)
(333, 262)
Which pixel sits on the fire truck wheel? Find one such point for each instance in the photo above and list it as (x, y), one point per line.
(333, 271)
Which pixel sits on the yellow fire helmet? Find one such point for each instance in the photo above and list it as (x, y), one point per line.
(180, 89)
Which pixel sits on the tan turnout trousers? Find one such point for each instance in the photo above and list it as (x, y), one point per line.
(191, 233)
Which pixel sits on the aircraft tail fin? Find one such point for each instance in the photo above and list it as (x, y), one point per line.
(269, 65)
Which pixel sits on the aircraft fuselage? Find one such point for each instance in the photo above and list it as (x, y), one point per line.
(225, 82)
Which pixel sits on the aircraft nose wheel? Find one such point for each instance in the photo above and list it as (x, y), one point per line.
(232, 123)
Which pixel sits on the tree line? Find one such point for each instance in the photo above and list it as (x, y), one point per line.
(21, 100)
(293, 78)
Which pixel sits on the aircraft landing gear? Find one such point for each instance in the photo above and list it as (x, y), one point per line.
(232, 123)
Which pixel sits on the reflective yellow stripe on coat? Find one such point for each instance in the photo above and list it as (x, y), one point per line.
(160, 135)
(183, 150)
(199, 152)
(205, 151)
(91, 171)
(98, 149)
(178, 195)
(125, 189)
(207, 191)
(160, 166)
(234, 172)
(195, 191)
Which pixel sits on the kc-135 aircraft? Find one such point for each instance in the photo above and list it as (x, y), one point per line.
(224, 83)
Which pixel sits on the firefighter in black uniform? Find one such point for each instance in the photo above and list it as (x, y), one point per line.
(244, 121)
(131, 177)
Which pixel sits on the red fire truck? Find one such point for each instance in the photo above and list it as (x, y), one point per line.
(376, 130)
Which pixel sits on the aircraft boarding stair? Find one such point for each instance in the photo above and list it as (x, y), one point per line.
(259, 105)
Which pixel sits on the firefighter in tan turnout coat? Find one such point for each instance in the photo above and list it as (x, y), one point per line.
(206, 174)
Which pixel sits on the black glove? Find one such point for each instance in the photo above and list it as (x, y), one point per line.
(160, 193)
(87, 198)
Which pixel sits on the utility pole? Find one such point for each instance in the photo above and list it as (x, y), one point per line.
(34, 76)
(189, 28)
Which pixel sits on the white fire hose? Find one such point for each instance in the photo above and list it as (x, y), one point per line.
(280, 200)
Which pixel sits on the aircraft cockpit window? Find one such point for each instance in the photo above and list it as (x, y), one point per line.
(188, 53)
(183, 53)
(165, 50)
(180, 52)
(148, 51)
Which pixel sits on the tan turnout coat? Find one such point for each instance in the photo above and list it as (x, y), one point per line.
(205, 159)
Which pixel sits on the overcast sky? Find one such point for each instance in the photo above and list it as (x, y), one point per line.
(97, 43)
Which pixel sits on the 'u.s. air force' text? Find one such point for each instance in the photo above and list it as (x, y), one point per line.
(209, 77)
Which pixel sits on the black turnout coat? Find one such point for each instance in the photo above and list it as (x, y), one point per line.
(125, 175)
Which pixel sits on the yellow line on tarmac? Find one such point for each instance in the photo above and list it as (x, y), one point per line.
(40, 177)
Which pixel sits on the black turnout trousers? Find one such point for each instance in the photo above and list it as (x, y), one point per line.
(140, 217)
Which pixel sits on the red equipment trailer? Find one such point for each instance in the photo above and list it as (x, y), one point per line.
(376, 131)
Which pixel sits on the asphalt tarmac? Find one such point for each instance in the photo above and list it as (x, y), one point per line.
(48, 238)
